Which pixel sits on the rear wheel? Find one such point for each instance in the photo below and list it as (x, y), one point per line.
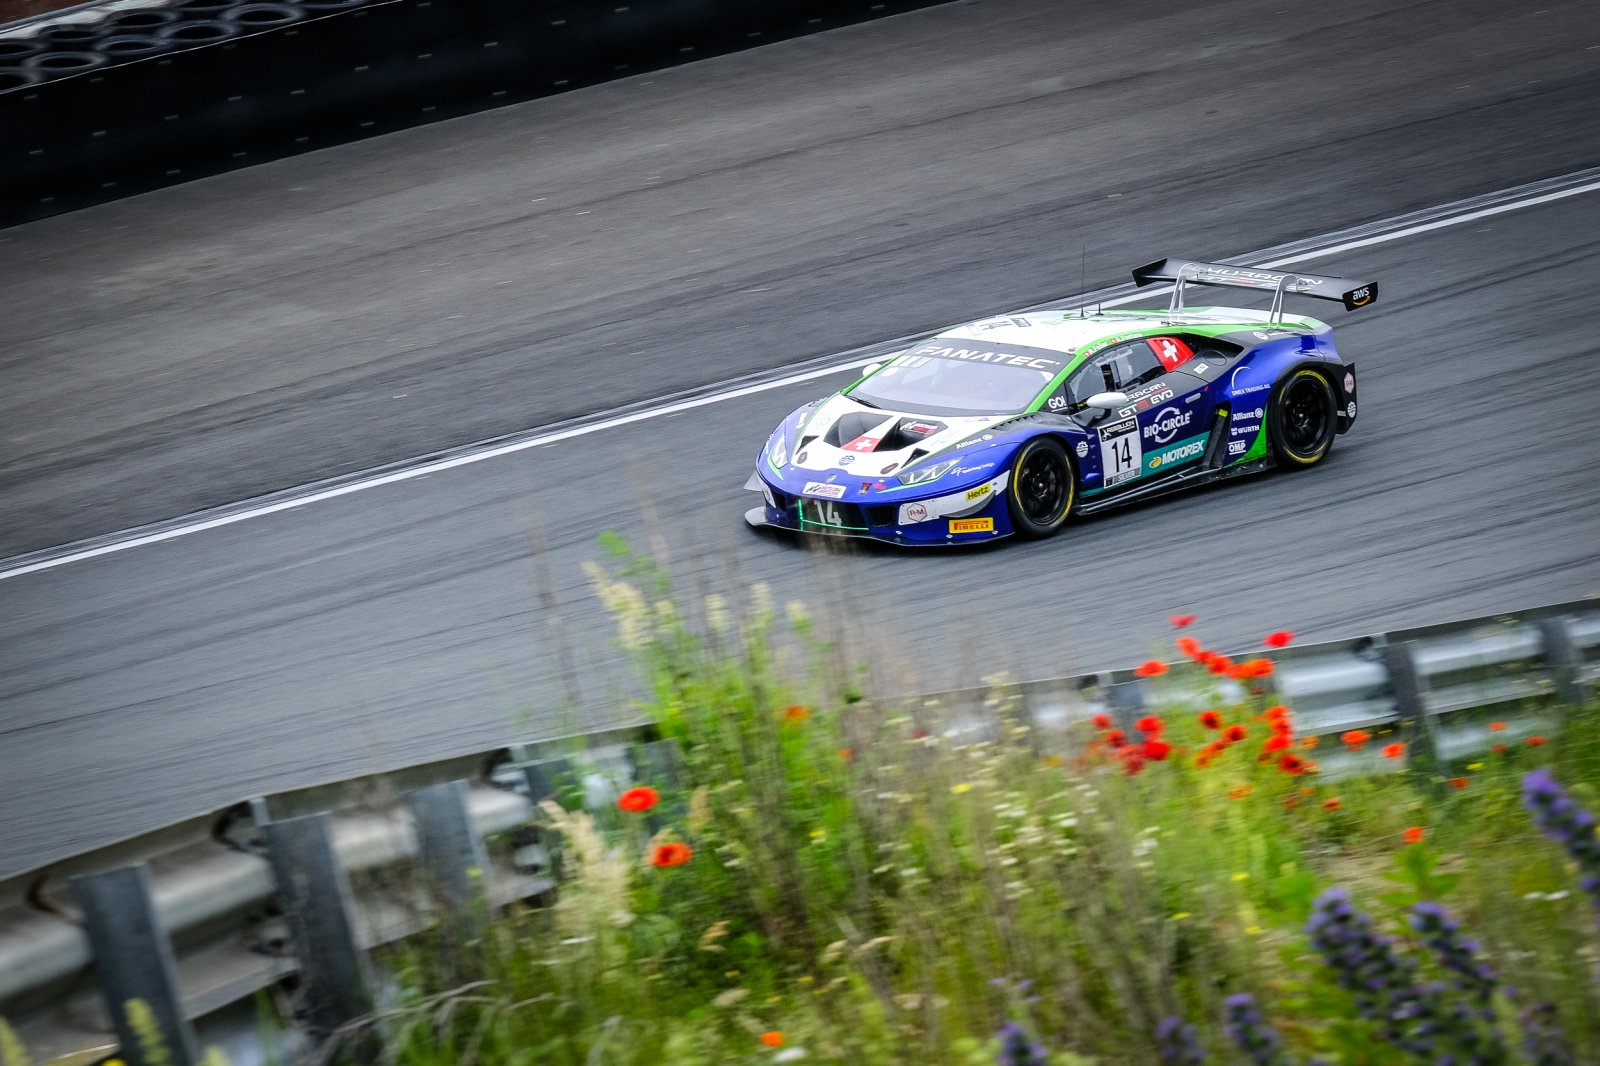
(1303, 419)
(1042, 489)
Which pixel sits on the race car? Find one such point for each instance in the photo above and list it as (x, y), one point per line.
(1012, 424)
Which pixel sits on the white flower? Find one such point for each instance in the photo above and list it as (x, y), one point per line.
(790, 1054)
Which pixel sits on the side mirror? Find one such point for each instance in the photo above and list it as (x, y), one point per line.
(870, 369)
(1107, 401)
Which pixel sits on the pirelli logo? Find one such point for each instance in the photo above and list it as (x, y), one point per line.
(972, 525)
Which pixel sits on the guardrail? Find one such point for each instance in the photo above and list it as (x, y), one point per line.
(197, 919)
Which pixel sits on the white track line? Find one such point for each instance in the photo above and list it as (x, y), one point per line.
(555, 436)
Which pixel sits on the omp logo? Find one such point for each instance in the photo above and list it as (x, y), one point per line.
(1167, 423)
(1237, 447)
(979, 492)
(1178, 454)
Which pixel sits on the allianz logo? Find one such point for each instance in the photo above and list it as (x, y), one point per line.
(1249, 416)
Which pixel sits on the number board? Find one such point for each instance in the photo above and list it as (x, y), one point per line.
(828, 516)
(1121, 455)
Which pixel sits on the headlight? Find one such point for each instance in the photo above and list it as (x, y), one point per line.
(928, 473)
(778, 454)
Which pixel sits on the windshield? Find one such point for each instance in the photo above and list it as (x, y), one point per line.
(940, 377)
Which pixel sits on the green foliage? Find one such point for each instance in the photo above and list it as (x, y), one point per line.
(12, 1053)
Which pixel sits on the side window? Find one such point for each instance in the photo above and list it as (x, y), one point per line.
(1134, 364)
(1097, 375)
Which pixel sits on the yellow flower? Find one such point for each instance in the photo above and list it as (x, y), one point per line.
(1240, 876)
(1474, 766)
(1252, 930)
(961, 789)
(1180, 916)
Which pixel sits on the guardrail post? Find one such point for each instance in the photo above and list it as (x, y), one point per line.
(315, 892)
(451, 849)
(660, 762)
(1410, 697)
(543, 777)
(133, 961)
(1561, 654)
(1127, 702)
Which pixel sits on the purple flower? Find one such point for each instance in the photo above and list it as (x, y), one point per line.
(1543, 1042)
(1456, 953)
(1177, 1043)
(1561, 818)
(1016, 1049)
(1248, 1029)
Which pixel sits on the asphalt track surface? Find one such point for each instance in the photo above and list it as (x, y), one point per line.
(436, 615)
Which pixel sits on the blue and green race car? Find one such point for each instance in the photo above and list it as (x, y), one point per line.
(1013, 424)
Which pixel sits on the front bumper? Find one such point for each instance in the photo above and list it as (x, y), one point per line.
(973, 513)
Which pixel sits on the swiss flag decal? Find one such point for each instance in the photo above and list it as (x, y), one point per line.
(863, 443)
(1172, 352)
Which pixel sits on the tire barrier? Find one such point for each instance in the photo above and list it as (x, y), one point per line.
(152, 96)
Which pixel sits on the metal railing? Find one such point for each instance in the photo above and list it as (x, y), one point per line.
(200, 917)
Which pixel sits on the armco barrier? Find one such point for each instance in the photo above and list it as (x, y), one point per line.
(279, 887)
(92, 108)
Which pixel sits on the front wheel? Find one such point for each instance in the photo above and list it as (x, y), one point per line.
(1042, 488)
(1303, 419)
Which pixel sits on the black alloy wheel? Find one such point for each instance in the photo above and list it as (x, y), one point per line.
(1042, 488)
(1303, 419)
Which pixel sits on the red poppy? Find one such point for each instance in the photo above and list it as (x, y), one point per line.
(1150, 668)
(847, 754)
(1499, 749)
(1291, 802)
(1189, 646)
(1235, 733)
(640, 798)
(1181, 620)
(1132, 762)
(1280, 639)
(1275, 713)
(1219, 664)
(772, 1038)
(1101, 721)
(1534, 742)
(1204, 657)
(673, 854)
(1414, 835)
(796, 712)
(1310, 742)
(1150, 724)
(1394, 751)
(1238, 792)
(1156, 749)
(1458, 782)
(1331, 803)
(1355, 738)
(1283, 728)
(1276, 742)
(1117, 738)
(1211, 719)
(1496, 727)
(1261, 667)
(1239, 671)
(1290, 763)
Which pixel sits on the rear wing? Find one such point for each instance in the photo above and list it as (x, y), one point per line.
(1352, 294)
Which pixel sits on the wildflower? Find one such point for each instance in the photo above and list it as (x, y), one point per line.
(1355, 738)
(1150, 724)
(1016, 1049)
(1150, 668)
(1181, 620)
(1499, 749)
(1235, 733)
(772, 1038)
(1283, 727)
(1211, 720)
(1177, 1043)
(961, 789)
(1555, 813)
(847, 754)
(1496, 727)
(1474, 766)
(1458, 782)
(1238, 792)
(790, 1054)
(1219, 664)
(1277, 713)
(1310, 742)
(1260, 667)
(796, 712)
(1101, 722)
(1456, 953)
(1240, 876)
(1117, 738)
(1156, 750)
(1254, 1034)
(1132, 761)
(1414, 834)
(1276, 742)
(1543, 1042)
(1280, 639)
(1292, 764)
(1189, 646)
(671, 854)
(1331, 803)
(640, 798)
(1394, 751)
(1534, 742)
(1240, 671)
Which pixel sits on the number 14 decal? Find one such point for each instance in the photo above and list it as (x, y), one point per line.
(1121, 454)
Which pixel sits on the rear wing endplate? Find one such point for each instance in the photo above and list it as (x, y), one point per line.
(1352, 294)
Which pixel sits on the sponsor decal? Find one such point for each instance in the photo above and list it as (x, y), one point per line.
(1238, 447)
(980, 468)
(1155, 391)
(1350, 411)
(989, 355)
(972, 525)
(1252, 388)
(913, 512)
(1056, 403)
(978, 493)
(1200, 368)
(1082, 449)
(1349, 382)
(1188, 450)
(1233, 383)
(921, 428)
(863, 443)
(1172, 352)
(1121, 453)
(1166, 424)
(975, 440)
(1361, 297)
(846, 460)
(1269, 334)
(1244, 416)
(822, 488)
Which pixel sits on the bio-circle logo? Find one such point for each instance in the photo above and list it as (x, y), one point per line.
(1168, 421)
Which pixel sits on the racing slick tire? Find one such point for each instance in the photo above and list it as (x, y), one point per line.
(1302, 419)
(1042, 488)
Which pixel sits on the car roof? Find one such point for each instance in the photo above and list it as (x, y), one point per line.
(1068, 333)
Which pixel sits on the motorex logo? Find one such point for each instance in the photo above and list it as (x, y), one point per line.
(1166, 424)
(1189, 449)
